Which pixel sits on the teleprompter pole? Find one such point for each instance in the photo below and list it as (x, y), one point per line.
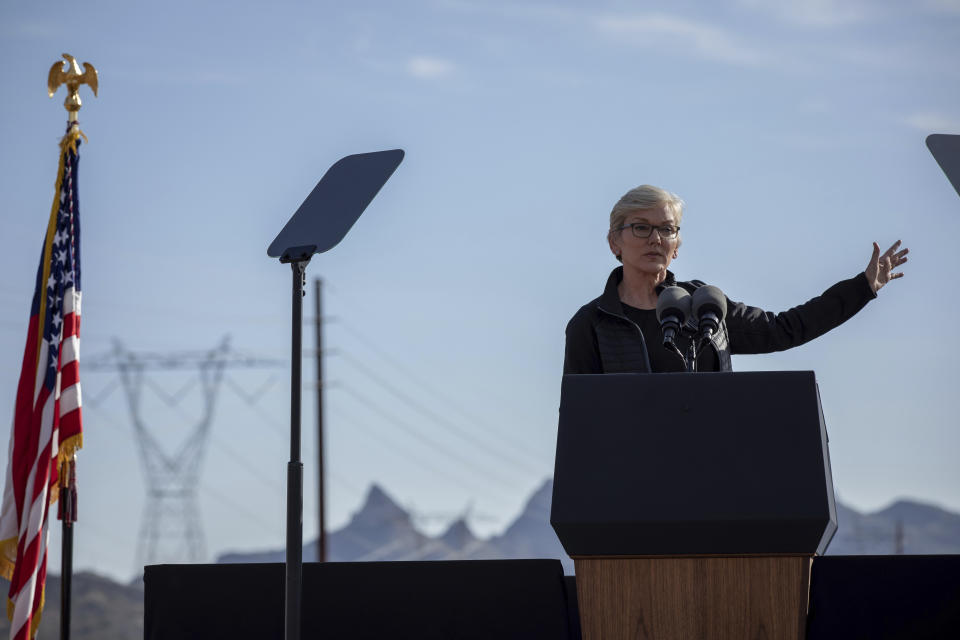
(294, 557)
(321, 526)
(318, 225)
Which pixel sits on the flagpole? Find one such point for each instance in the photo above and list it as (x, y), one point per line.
(68, 496)
(71, 76)
(68, 515)
(67, 479)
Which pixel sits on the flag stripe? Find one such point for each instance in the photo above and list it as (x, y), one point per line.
(69, 378)
(69, 400)
(70, 347)
(71, 302)
(44, 352)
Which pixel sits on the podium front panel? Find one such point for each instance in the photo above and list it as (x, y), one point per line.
(702, 463)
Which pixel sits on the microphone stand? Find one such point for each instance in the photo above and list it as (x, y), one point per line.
(691, 358)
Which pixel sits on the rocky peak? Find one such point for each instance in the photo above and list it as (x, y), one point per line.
(379, 509)
(458, 535)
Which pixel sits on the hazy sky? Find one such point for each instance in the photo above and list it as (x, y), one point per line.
(793, 130)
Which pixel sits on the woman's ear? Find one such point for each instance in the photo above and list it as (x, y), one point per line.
(614, 246)
(676, 252)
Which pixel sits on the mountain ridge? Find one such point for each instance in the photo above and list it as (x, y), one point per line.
(382, 530)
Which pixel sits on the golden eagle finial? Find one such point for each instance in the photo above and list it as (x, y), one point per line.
(73, 78)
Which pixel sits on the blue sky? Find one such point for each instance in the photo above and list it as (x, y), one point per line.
(793, 130)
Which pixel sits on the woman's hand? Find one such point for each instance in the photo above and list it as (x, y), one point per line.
(879, 270)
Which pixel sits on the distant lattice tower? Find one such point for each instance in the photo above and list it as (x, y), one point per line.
(171, 530)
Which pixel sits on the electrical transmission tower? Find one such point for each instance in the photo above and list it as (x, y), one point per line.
(171, 528)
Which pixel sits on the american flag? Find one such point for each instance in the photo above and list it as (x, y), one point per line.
(46, 419)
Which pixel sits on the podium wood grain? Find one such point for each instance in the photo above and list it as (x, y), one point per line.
(693, 598)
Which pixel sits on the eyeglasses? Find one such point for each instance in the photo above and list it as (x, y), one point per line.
(644, 230)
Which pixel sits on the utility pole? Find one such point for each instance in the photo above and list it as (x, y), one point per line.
(322, 531)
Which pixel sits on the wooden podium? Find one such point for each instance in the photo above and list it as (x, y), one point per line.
(692, 504)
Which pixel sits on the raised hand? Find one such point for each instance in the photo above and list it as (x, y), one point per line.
(880, 269)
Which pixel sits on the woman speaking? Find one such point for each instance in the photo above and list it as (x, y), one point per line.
(619, 332)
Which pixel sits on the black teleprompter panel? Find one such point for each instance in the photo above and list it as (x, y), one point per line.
(522, 599)
(335, 204)
(680, 464)
(946, 150)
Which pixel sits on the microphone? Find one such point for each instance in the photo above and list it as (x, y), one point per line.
(709, 308)
(673, 309)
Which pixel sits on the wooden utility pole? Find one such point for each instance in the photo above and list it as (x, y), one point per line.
(322, 535)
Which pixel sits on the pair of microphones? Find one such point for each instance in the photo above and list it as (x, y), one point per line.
(675, 306)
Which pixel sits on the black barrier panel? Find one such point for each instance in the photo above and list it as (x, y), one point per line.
(884, 598)
(573, 607)
(503, 599)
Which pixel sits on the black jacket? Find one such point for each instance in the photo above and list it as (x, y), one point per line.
(601, 339)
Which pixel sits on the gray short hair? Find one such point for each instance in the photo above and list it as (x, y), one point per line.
(644, 197)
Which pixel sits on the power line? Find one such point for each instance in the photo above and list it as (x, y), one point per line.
(278, 428)
(222, 445)
(255, 517)
(98, 408)
(281, 430)
(245, 463)
(207, 489)
(408, 456)
(115, 422)
(411, 376)
(410, 402)
(98, 399)
(373, 406)
(252, 397)
(347, 484)
(171, 400)
(248, 465)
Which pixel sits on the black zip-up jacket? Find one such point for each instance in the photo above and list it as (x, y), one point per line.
(601, 339)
